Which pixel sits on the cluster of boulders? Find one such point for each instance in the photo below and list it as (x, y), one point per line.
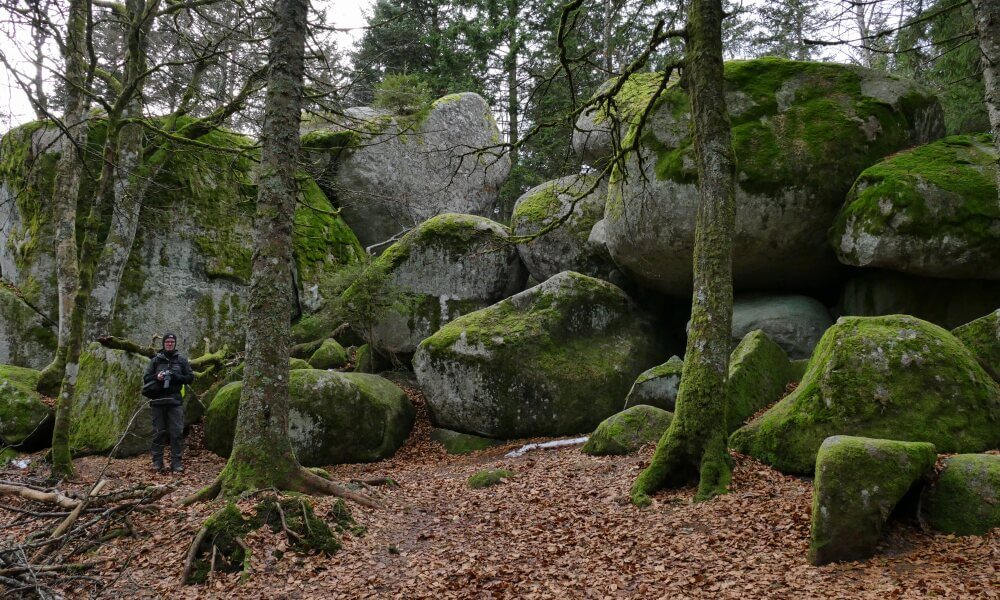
(861, 236)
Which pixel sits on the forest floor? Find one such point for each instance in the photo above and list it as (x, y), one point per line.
(562, 527)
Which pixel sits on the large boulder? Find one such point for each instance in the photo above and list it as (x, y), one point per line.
(858, 483)
(27, 337)
(982, 337)
(109, 411)
(794, 322)
(929, 211)
(552, 360)
(332, 417)
(25, 421)
(627, 431)
(330, 355)
(945, 302)
(657, 386)
(578, 200)
(893, 377)
(965, 498)
(802, 132)
(389, 172)
(447, 266)
(189, 266)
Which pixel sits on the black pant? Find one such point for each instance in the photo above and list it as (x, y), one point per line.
(168, 424)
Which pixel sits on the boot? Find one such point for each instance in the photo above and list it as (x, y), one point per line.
(157, 464)
(175, 465)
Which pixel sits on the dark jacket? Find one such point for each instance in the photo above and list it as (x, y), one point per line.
(180, 374)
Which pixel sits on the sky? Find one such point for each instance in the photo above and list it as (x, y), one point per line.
(15, 108)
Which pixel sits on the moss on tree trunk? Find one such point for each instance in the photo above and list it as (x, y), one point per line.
(694, 447)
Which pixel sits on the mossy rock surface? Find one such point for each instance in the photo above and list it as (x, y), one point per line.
(801, 131)
(447, 266)
(858, 483)
(628, 431)
(484, 479)
(965, 499)
(27, 339)
(894, 377)
(794, 322)
(556, 359)
(389, 172)
(25, 421)
(982, 337)
(929, 211)
(333, 417)
(945, 302)
(462, 443)
(189, 267)
(578, 202)
(758, 373)
(109, 410)
(657, 386)
(330, 355)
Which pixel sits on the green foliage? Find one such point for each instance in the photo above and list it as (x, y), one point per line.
(403, 94)
(489, 478)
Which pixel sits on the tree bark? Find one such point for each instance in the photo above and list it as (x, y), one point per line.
(987, 16)
(694, 447)
(69, 171)
(262, 454)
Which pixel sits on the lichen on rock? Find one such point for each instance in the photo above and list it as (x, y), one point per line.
(858, 483)
(965, 497)
(893, 377)
(657, 386)
(982, 337)
(25, 421)
(627, 431)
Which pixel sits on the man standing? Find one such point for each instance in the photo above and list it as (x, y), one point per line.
(163, 383)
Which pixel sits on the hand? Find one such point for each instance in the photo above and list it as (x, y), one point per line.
(159, 376)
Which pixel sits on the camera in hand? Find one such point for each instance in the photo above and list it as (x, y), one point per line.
(166, 379)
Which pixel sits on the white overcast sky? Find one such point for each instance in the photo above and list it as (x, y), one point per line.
(15, 108)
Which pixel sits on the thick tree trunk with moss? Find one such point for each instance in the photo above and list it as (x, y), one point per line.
(69, 172)
(694, 447)
(987, 15)
(262, 453)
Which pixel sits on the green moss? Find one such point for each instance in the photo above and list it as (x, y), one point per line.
(549, 201)
(462, 443)
(488, 478)
(321, 240)
(758, 373)
(330, 355)
(631, 101)
(858, 483)
(982, 337)
(220, 419)
(892, 377)
(298, 363)
(108, 411)
(25, 421)
(964, 499)
(962, 166)
(628, 431)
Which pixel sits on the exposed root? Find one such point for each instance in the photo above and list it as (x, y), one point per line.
(209, 492)
(192, 552)
(301, 480)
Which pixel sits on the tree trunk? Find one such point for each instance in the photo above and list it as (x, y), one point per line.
(694, 447)
(69, 171)
(987, 15)
(262, 453)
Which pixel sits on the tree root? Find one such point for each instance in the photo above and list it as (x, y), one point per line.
(192, 552)
(301, 480)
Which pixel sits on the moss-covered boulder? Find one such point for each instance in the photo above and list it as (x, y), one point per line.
(858, 483)
(189, 267)
(929, 211)
(982, 337)
(462, 443)
(794, 322)
(447, 266)
(332, 418)
(552, 360)
(965, 499)
(389, 172)
(657, 386)
(108, 411)
(330, 355)
(27, 338)
(945, 302)
(802, 132)
(628, 430)
(893, 377)
(758, 373)
(578, 201)
(25, 421)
